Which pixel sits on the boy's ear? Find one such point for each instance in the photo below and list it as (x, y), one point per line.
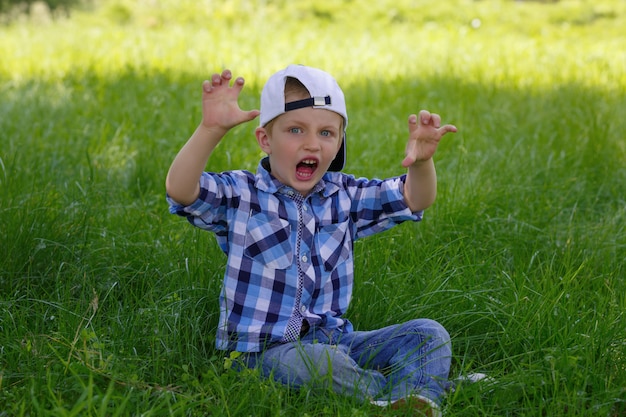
(263, 139)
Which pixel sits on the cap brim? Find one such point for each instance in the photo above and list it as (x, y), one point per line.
(340, 159)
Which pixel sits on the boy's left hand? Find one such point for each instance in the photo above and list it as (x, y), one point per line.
(425, 133)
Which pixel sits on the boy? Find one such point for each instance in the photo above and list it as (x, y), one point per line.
(288, 233)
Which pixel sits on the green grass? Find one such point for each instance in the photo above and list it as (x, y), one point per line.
(108, 304)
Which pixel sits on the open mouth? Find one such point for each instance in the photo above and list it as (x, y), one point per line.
(305, 169)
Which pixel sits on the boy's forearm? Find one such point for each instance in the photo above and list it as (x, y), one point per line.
(420, 187)
(182, 182)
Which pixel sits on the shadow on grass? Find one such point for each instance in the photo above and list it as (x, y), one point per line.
(521, 257)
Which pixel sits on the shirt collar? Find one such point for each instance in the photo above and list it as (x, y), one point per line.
(264, 181)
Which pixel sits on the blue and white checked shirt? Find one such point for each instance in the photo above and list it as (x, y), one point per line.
(256, 220)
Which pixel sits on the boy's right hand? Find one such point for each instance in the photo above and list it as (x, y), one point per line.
(220, 112)
(220, 109)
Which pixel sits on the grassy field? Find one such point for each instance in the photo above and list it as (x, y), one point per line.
(108, 304)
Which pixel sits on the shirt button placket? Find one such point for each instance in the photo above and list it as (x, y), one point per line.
(295, 322)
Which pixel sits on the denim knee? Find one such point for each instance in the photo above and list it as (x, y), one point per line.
(437, 334)
(430, 327)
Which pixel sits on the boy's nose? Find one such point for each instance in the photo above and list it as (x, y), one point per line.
(311, 142)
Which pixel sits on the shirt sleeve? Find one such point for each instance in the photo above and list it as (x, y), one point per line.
(378, 205)
(218, 192)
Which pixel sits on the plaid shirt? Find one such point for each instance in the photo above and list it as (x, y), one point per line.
(257, 221)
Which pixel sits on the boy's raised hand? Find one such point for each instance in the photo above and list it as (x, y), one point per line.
(425, 132)
(220, 109)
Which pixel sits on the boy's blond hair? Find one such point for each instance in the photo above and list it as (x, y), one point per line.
(292, 86)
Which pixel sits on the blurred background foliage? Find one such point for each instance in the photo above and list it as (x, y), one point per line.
(127, 11)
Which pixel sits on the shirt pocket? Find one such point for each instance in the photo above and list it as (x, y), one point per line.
(332, 243)
(268, 241)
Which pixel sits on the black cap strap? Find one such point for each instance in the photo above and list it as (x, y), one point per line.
(308, 102)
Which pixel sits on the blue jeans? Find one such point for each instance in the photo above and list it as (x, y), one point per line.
(386, 364)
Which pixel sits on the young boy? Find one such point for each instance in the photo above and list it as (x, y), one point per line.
(288, 233)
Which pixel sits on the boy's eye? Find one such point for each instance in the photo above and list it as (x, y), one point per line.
(326, 133)
(295, 130)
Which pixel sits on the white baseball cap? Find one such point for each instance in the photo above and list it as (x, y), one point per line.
(325, 94)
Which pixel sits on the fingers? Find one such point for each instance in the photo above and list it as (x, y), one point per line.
(413, 126)
(222, 79)
(448, 129)
(425, 132)
(217, 79)
(428, 119)
(435, 119)
(206, 86)
(252, 114)
(425, 118)
(410, 154)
